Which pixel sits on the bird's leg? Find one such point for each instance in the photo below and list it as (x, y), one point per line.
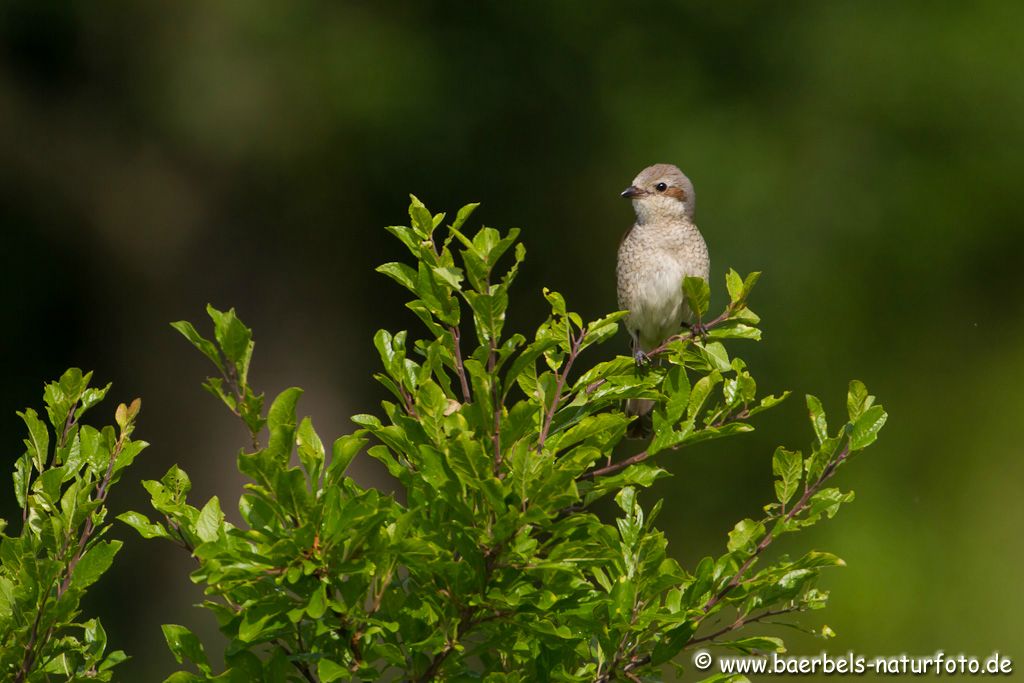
(697, 329)
(640, 357)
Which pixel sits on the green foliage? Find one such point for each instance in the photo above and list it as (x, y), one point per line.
(489, 563)
(61, 484)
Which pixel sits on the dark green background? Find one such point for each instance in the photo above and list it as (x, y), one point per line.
(867, 156)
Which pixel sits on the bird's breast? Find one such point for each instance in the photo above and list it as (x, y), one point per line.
(651, 268)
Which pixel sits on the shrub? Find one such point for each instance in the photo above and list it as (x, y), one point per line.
(61, 484)
(489, 563)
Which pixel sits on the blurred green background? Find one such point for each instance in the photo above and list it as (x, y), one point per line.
(867, 156)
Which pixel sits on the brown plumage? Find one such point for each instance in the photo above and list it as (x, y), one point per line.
(663, 247)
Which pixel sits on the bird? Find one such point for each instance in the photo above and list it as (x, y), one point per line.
(662, 248)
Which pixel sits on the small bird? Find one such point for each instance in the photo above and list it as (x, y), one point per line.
(662, 248)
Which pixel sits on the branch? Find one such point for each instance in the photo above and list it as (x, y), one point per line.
(460, 369)
(90, 526)
(574, 352)
(408, 403)
(468, 615)
(743, 621)
(101, 495)
(496, 406)
(614, 467)
(620, 652)
(767, 540)
(436, 663)
(69, 422)
(685, 336)
(691, 334)
(301, 667)
(639, 661)
(643, 455)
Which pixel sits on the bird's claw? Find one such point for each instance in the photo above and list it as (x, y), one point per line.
(698, 329)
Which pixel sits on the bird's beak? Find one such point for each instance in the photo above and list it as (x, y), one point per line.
(632, 192)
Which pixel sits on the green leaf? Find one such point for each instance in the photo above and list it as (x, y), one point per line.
(745, 536)
(328, 670)
(788, 467)
(556, 300)
(827, 502)
(254, 625)
(700, 392)
(184, 645)
(817, 559)
(451, 276)
(525, 360)
(734, 283)
(38, 443)
(422, 220)
(400, 273)
(311, 450)
(857, 399)
(232, 336)
(865, 429)
(672, 642)
(750, 281)
(819, 459)
(282, 410)
(205, 346)
(343, 451)
(676, 388)
(22, 479)
(94, 563)
(756, 644)
(817, 414)
(734, 329)
(463, 215)
(703, 581)
(739, 289)
(317, 605)
(698, 295)
(141, 524)
(210, 521)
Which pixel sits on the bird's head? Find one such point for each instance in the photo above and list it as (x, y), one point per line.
(661, 192)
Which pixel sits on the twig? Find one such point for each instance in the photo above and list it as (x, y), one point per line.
(614, 467)
(181, 535)
(769, 537)
(737, 578)
(637, 662)
(496, 406)
(436, 663)
(101, 497)
(460, 369)
(302, 667)
(574, 351)
(69, 422)
(68, 571)
(741, 622)
(643, 455)
(620, 651)
(410, 405)
(467, 615)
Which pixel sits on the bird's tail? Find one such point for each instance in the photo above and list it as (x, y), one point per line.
(642, 427)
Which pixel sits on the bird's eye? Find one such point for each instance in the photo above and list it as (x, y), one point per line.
(661, 187)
